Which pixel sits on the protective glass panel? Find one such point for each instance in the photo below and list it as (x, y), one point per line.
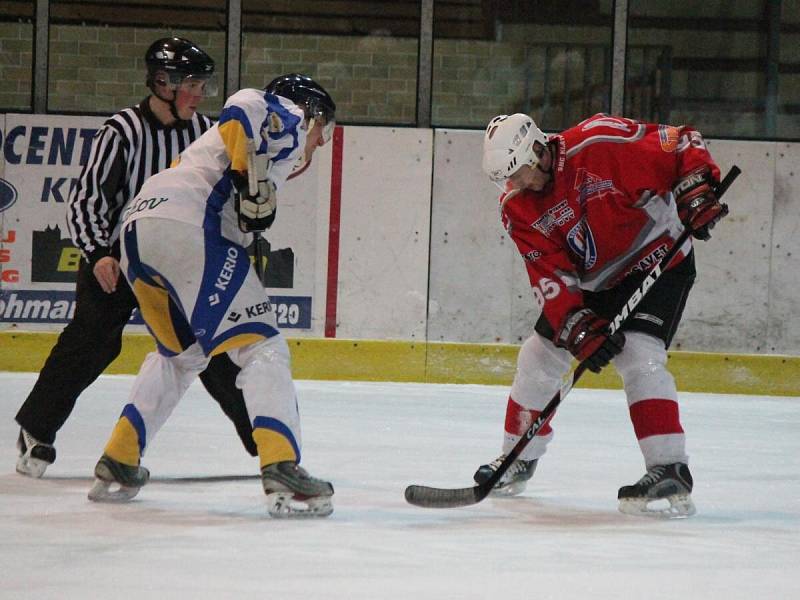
(97, 49)
(16, 56)
(787, 87)
(548, 59)
(731, 69)
(363, 53)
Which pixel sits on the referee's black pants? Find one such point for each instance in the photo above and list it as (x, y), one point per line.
(89, 343)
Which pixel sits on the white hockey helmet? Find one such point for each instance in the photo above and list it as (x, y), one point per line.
(509, 144)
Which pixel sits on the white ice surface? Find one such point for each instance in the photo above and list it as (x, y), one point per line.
(199, 530)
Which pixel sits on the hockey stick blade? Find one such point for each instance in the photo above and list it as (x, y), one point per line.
(431, 497)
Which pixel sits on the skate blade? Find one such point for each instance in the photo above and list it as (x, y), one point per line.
(31, 467)
(284, 505)
(679, 507)
(101, 492)
(507, 491)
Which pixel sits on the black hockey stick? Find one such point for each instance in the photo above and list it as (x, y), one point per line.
(258, 257)
(252, 187)
(431, 497)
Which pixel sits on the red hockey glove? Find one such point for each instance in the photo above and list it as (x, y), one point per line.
(698, 207)
(586, 336)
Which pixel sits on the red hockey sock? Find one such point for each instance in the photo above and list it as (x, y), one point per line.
(655, 416)
(519, 418)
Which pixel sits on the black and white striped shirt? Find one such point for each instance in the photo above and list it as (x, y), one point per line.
(131, 146)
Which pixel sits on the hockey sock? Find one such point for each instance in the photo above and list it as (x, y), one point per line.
(274, 441)
(127, 440)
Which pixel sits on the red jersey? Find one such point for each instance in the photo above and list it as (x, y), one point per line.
(608, 212)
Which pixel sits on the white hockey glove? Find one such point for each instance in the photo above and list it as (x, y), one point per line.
(256, 197)
(256, 213)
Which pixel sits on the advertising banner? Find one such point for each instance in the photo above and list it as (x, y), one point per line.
(42, 157)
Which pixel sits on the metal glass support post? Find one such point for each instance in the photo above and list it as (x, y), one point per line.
(425, 64)
(41, 47)
(233, 47)
(619, 43)
(773, 17)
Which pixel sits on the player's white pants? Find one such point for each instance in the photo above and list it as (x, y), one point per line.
(540, 367)
(194, 312)
(652, 399)
(266, 383)
(649, 389)
(269, 393)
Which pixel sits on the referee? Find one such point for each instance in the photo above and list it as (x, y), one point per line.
(132, 145)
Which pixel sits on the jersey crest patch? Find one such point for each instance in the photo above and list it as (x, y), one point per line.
(581, 242)
(668, 137)
(588, 185)
(558, 216)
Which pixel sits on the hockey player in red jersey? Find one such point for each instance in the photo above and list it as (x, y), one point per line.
(591, 211)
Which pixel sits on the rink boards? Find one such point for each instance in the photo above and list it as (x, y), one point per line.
(393, 234)
(448, 362)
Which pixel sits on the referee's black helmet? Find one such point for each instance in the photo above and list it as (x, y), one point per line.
(180, 59)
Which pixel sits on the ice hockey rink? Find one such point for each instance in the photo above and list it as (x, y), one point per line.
(200, 530)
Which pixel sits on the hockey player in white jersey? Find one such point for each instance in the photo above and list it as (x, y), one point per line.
(183, 243)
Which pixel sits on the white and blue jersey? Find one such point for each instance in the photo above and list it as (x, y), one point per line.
(206, 296)
(198, 189)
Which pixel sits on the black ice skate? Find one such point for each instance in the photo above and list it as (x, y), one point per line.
(661, 484)
(292, 492)
(34, 456)
(127, 481)
(513, 481)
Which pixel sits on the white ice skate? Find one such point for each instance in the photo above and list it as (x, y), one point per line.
(665, 492)
(116, 482)
(34, 456)
(292, 492)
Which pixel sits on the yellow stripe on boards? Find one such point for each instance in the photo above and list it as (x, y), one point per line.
(443, 362)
